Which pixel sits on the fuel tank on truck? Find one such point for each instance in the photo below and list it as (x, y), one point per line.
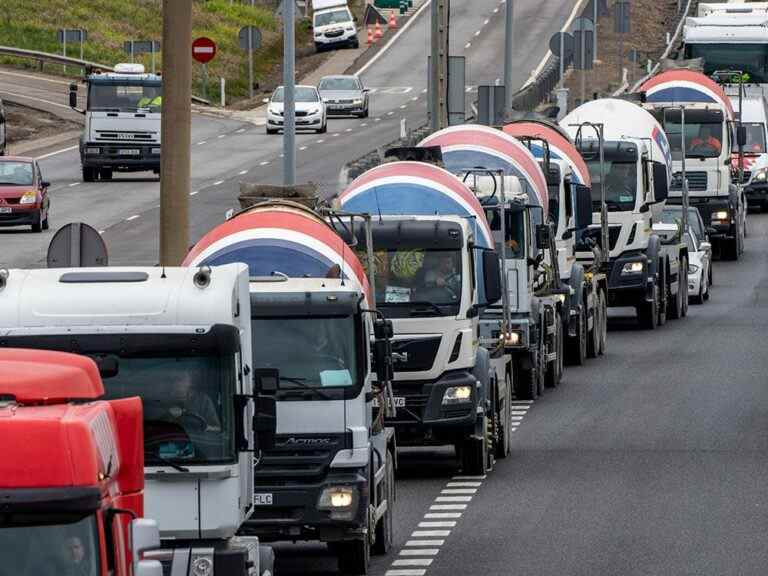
(560, 146)
(280, 237)
(473, 146)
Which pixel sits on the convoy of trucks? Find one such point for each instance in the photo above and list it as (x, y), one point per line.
(63, 516)
(122, 122)
(260, 392)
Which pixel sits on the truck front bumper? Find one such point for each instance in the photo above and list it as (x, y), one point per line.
(628, 289)
(123, 157)
(290, 510)
(422, 417)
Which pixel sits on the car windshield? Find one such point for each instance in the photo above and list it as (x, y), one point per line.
(415, 281)
(187, 405)
(620, 184)
(301, 94)
(339, 84)
(749, 58)
(309, 352)
(333, 17)
(129, 97)
(755, 138)
(16, 174)
(55, 544)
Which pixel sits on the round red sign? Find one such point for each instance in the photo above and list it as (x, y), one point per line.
(203, 49)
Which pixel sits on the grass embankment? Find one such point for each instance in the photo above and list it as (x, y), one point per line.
(110, 23)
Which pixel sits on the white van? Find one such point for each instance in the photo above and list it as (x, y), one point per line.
(333, 25)
(754, 116)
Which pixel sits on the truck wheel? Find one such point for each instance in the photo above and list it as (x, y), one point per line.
(106, 174)
(593, 337)
(577, 346)
(354, 557)
(730, 249)
(676, 305)
(384, 529)
(648, 312)
(504, 447)
(266, 560)
(89, 174)
(683, 286)
(555, 368)
(603, 303)
(665, 291)
(474, 453)
(526, 386)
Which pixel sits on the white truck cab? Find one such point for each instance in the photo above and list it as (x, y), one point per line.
(753, 111)
(180, 338)
(122, 122)
(333, 25)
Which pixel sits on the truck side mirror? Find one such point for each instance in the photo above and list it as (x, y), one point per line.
(265, 422)
(660, 182)
(145, 536)
(542, 235)
(382, 329)
(73, 95)
(583, 207)
(492, 276)
(382, 358)
(741, 136)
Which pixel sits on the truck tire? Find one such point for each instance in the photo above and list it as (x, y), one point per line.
(106, 174)
(683, 284)
(593, 337)
(384, 529)
(554, 371)
(474, 452)
(577, 346)
(603, 303)
(354, 556)
(730, 249)
(266, 560)
(665, 291)
(89, 174)
(676, 304)
(504, 418)
(648, 312)
(526, 386)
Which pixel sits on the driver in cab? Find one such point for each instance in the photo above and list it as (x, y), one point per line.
(441, 274)
(707, 138)
(185, 399)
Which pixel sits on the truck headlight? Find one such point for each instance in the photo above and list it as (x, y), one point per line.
(720, 215)
(760, 175)
(29, 197)
(92, 150)
(335, 497)
(457, 395)
(357, 102)
(632, 268)
(512, 338)
(692, 268)
(155, 151)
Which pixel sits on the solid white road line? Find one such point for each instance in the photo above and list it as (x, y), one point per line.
(44, 156)
(425, 542)
(394, 39)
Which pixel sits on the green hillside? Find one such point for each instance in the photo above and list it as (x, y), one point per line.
(109, 23)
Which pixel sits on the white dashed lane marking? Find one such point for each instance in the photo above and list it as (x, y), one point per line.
(132, 217)
(242, 172)
(218, 182)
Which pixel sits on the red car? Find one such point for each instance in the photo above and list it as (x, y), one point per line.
(23, 193)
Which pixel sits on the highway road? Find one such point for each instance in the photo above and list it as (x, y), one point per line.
(225, 152)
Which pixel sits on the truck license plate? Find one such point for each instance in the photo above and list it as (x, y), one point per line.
(5, 210)
(262, 499)
(129, 152)
(399, 402)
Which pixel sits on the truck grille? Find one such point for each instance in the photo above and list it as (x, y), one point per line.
(696, 181)
(288, 464)
(334, 33)
(596, 235)
(415, 355)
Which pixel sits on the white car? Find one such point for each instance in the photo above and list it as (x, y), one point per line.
(699, 263)
(310, 110)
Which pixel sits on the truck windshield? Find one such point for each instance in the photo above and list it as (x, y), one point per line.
(309, 352)
(128, 97)
(187, 406)
(332, 17)
(48, 546)
(412, 281)
(749, 58)
(620, 184)
(703, 134)
(755, 138)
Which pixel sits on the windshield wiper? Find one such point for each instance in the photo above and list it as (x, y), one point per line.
(167, 462)
(304, 387)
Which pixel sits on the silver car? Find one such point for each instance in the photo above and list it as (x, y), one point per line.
(344, 96)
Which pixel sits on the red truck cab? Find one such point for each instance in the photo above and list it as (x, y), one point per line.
(71, 471)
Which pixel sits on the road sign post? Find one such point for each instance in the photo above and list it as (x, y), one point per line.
(621, 26)
(561, 45)
(71, 35)
(289, 106)
(584, 38)
(250, 40)
(203, 51)
(133, 47)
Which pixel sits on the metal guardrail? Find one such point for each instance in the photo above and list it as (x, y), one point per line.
(53, 58)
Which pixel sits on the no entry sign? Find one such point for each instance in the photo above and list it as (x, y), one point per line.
(203, 49)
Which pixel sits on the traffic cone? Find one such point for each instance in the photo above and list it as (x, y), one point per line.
(378, 34)
(392, 24)
(370, 36)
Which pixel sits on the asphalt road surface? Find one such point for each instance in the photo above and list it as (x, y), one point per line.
(226, 152)
(650, 461)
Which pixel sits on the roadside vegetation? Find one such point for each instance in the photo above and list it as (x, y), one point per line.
(109, 24)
